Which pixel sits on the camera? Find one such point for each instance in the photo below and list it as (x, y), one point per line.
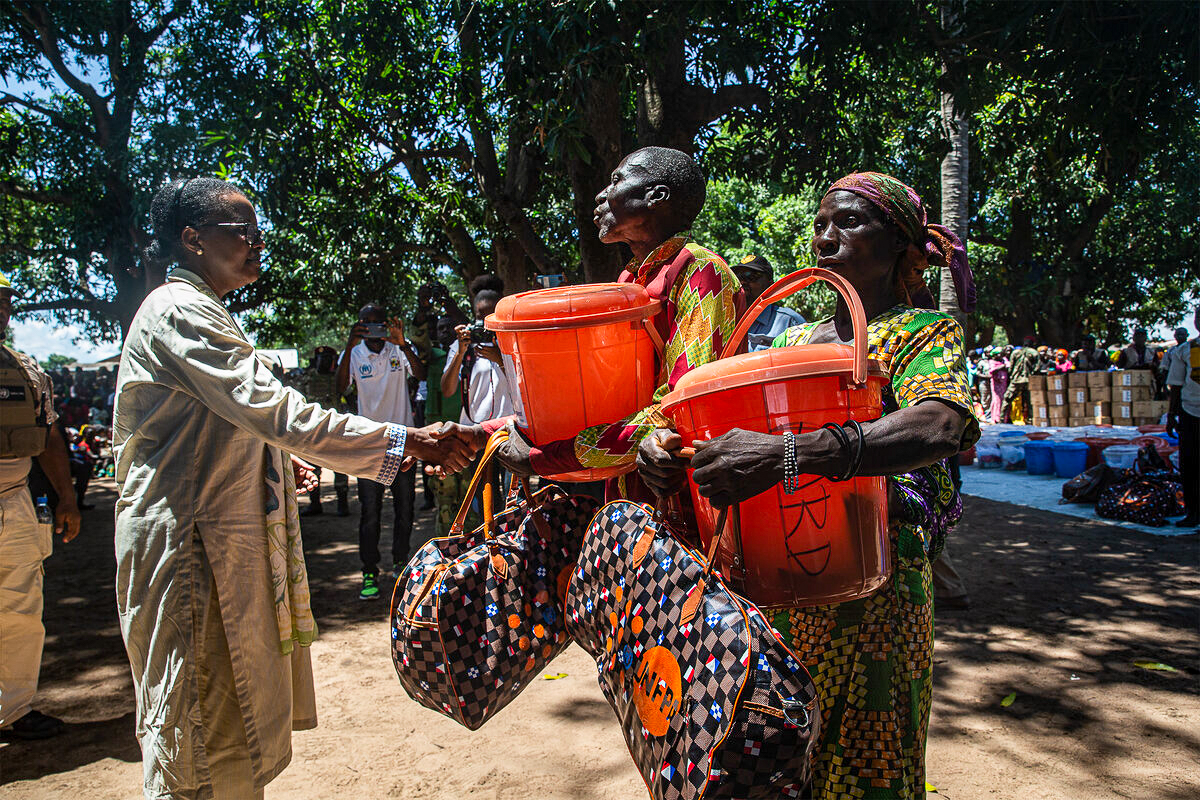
(375, 330)
(479, 334)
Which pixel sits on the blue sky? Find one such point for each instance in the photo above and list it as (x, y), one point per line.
(39, 339)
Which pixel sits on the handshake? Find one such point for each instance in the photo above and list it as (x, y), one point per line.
(445, 447)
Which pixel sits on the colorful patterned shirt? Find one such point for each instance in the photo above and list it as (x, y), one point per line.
(921, 350)
(701, 302)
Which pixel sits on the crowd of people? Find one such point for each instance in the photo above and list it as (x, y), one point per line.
(998, 373)
(211, 450)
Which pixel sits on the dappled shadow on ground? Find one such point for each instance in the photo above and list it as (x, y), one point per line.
(1076, 580)
(1061, 610)
(1053, 598)
(334, 568)
(82, 743)
(581, 710)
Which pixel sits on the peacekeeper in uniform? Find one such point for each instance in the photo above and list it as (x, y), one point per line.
(27, 431)
(318, 384)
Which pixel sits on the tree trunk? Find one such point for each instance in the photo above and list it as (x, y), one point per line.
(511, 265)
(1019, 263)
(955, 194)
(955, 214)
(601, 103)
(662, 96)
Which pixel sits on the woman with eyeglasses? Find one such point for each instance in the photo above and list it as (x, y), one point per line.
(211, 583)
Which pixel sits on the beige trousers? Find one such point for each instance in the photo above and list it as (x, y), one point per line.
(23, 546)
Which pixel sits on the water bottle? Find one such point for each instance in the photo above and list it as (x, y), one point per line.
(44, 515)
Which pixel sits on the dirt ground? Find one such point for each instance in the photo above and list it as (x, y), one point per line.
(1061, 610)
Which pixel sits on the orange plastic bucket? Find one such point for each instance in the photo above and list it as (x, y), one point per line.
(828, 542)
(578, 356)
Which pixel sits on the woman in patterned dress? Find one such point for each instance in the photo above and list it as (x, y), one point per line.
(870, 658)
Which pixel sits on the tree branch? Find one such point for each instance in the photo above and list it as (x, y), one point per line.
(435, 253)
(79, 254)
(165, 21)
(55, 116)
(93, 305)
(18, 192)
(1087, 229)
(484, 163)
(39, 19)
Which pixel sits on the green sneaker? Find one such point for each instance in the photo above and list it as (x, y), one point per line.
(370, 589)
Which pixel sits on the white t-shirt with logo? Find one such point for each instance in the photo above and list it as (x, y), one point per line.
(382, 381)
(1185, 373)
(489, 395)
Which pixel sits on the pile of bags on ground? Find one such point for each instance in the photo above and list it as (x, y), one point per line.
(1147, 493)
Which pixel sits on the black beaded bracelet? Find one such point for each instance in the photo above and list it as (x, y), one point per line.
(853, 452)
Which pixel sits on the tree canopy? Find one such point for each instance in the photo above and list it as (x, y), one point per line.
(390, 144)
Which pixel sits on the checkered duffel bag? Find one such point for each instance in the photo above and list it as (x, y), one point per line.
(711, 701)
(476, 615)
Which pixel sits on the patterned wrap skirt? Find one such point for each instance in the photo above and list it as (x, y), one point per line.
(872, 659)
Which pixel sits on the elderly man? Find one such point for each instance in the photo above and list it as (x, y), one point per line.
(27, 431)
(756, 275)
(653, 198)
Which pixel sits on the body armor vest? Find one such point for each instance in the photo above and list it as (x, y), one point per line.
(22, 429)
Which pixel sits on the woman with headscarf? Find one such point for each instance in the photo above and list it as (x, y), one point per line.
(212, 589)
(1062, 361)
(871, 659)
(998, 380)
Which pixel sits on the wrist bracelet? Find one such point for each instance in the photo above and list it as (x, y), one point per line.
(852, 452)
(856, 461)
(791, 480)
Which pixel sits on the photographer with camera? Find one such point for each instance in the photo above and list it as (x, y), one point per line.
(435, 308)
(379, 360)
(474, 363)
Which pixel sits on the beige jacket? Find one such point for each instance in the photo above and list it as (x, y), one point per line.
(196, 413)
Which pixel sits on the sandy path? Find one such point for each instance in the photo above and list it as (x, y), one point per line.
(1061, 610)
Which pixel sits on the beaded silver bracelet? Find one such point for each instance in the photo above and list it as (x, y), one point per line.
(791, 478)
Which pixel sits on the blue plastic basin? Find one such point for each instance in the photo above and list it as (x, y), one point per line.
(1070, 458)
(1039, 458)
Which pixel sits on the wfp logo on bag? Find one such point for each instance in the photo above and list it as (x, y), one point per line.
(657, 690)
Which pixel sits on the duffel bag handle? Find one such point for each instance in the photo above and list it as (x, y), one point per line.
(688, 611)
(789, 285)
(484, 470)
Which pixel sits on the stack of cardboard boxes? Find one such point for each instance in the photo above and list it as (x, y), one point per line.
(1075, 399)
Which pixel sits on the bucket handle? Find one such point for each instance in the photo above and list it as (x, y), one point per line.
(789, 285)
(655, 336)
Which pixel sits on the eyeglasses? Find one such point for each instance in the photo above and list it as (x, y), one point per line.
(249, 231)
